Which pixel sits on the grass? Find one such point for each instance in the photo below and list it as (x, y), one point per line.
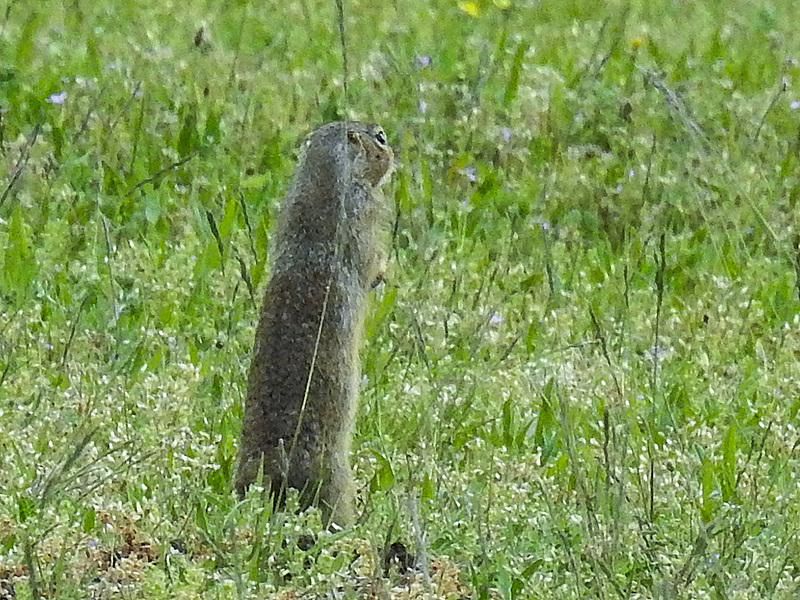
(580, 380)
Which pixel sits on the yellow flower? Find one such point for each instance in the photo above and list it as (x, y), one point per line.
(470, 7)
(635, 43)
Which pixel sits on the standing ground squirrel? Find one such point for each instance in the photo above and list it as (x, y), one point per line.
(304, 375)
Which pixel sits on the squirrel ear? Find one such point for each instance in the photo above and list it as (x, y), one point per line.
(352, 136)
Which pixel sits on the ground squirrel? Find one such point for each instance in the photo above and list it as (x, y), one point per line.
(304, 374)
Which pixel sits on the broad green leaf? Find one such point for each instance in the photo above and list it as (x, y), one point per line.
(727, 470)
(89, 519)
(383, 479)
(19, 263)
(516, 68)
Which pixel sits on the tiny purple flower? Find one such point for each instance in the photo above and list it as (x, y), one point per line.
(506, 134)
(57, 97)
(471, 172)
(794, 104)
(542, 222)
(422, 61)
(496, 318)
(422, 106)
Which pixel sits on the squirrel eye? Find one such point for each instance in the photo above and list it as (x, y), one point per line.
(381, 137)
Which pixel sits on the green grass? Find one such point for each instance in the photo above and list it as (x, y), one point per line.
(580, 381)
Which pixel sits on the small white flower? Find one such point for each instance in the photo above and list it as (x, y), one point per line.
(57, 97)
(794, 104)
(422, 61)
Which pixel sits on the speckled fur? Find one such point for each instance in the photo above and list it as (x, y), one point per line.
(327, 243)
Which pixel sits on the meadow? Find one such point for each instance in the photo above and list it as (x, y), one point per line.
(580, 377)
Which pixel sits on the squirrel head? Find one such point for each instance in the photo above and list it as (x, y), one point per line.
(369, 157)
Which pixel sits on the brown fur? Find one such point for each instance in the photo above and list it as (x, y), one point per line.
(326, 256)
